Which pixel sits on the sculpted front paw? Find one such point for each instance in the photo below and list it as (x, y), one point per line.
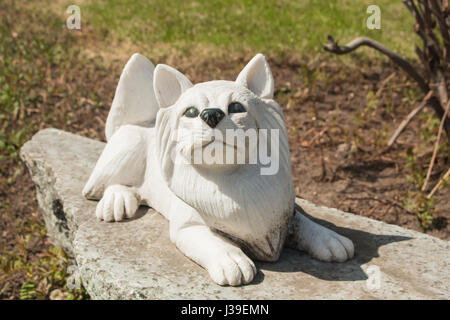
(232, 267)
(118, 202)
(330, 246)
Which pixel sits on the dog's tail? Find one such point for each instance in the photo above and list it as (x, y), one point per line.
(134, 101)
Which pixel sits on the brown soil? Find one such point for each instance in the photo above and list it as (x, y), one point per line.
(335, 158)
(338, 133)
(339, 161)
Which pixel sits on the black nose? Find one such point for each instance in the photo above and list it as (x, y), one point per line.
(212, 116)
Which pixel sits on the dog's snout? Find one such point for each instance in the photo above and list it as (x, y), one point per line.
(212, 116)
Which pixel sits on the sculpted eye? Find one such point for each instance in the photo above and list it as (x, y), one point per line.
(236, 107)
(191, 112)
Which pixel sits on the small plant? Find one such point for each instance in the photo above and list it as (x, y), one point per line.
(430, 128)
(422, 207)
(28, 291)
(417, 201)
(372, 104)
(46, 277)
(381, 138)
(417, 175)
(309, 76)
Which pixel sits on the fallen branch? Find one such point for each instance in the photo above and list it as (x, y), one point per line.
(436, 146)
(372, 210)
(410, 116)
(304, 143)
(436, 187)
(383, 84)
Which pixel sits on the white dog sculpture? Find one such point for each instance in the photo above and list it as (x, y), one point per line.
(216, 211)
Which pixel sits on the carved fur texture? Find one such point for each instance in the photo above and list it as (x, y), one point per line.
(221, 213)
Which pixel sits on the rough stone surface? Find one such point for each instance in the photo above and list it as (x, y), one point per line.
(134, 259)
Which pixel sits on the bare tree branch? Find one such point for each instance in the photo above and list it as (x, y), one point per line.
(383, 84)
(438, 13)
(441, 86)
(436, 147)
(333, 47)
(433, 27)
(410, 116)
(437, 78)
(436, 187)
(420, 25)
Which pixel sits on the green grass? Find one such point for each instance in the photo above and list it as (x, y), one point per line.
(268, 26)
(40, 64)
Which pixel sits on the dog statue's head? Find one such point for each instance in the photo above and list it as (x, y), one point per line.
(214, 142)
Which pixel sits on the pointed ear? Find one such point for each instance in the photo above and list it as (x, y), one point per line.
(257, 77)
(169, 84)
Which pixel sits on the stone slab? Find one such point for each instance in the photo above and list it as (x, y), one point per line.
(134, 259)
